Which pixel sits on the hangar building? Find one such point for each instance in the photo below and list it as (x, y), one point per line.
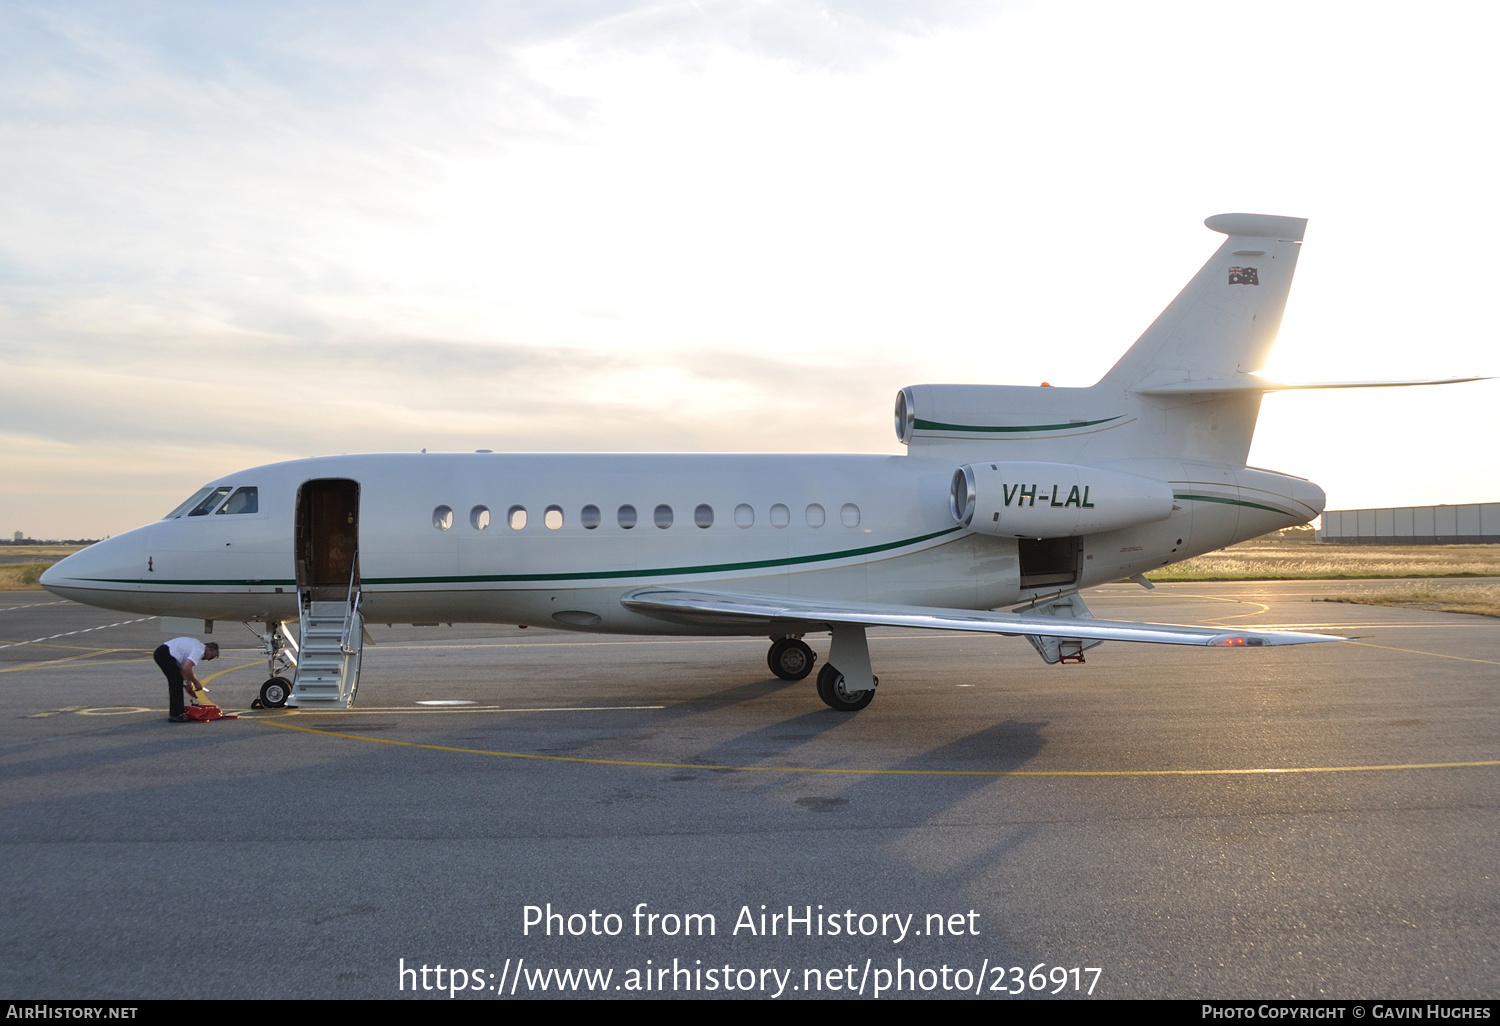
(1475, 523)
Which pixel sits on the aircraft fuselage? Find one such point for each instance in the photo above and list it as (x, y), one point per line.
(542, 539)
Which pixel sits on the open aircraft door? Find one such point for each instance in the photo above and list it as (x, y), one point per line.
(327, 539)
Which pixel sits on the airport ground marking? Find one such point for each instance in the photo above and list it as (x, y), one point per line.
(1435, 655)
(228, 669)
(844, 771)
(406, 711)
(1264, 607)
(53, 712)
(69, 634)
(49, 663)
(34, 605)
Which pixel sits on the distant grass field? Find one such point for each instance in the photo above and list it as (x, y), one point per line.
(21, 565)
(55, 551)
(1291, 561)
(1442, 568)
(1444, 596)
(21, 576)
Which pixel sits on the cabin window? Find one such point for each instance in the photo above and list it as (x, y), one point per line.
(516, 517)
(780, 515)
(815, 515)
(479, 517)
(703, 516)
(246, 500)
(626, 517)
(849, 515)
(192, 501)
(442, 517)
(662, 516)
(208, 504)
(744, 515)
(589, 517)
(553, 518)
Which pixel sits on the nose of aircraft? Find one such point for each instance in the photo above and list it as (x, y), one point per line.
(102, 574)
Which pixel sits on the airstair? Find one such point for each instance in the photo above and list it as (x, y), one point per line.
(329, 649)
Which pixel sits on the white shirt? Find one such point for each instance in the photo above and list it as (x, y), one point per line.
(186, 650)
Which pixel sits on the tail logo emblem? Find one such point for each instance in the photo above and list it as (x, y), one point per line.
(1243, 276)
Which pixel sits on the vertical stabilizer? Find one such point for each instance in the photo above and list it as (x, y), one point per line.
(1223, 324)
(1159, 401)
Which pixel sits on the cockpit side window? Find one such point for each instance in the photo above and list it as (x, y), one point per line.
(208, 504)
(192, 501)
(246, 500)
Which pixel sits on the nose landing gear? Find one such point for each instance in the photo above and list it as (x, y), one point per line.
(274, 692)
(280, 647)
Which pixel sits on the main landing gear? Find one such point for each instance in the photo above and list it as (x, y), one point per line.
(832, 691)
(791, 659)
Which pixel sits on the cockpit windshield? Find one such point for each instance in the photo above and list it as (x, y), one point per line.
(208, 498)
(246, 500)
(207, 505)
(191, 503)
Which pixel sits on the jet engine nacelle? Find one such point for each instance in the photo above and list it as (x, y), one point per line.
(1027, 499)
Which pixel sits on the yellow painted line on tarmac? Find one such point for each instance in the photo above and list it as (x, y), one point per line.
(449, 709)
(99, 662)
(1261, 608)
(228, 669)
(48, 663)
(639, 764)
(1435, 655)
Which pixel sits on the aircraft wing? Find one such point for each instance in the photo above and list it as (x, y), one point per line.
(781, 614)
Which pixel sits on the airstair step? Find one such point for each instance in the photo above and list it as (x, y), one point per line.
(326, 674)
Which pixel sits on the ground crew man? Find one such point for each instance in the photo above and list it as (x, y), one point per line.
(177, 659)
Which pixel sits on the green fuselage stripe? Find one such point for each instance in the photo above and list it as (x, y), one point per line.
(934, 425)
(1236, 502)
(586, 575)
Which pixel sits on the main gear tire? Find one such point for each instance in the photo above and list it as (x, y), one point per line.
(791, 659)
(833, 693)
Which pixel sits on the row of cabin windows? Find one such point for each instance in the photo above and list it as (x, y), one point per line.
(627, 517)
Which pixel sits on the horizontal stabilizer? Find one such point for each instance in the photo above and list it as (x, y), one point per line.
(783, 614)
(1258, 226)
(1251, 383)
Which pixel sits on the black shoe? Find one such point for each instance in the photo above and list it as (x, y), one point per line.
(179, 718)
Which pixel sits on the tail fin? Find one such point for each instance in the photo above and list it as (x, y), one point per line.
(1185, 390)
(1222, 325)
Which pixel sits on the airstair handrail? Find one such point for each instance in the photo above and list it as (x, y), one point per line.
(351, 606)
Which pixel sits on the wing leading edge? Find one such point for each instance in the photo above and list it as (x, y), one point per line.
(783, 614)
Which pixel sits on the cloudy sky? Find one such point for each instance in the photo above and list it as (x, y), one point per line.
(233, 234)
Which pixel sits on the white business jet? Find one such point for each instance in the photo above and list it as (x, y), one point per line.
(1007, 496)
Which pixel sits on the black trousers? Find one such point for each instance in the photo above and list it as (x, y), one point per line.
(163, 657)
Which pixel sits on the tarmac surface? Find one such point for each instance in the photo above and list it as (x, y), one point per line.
(1314, 821)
